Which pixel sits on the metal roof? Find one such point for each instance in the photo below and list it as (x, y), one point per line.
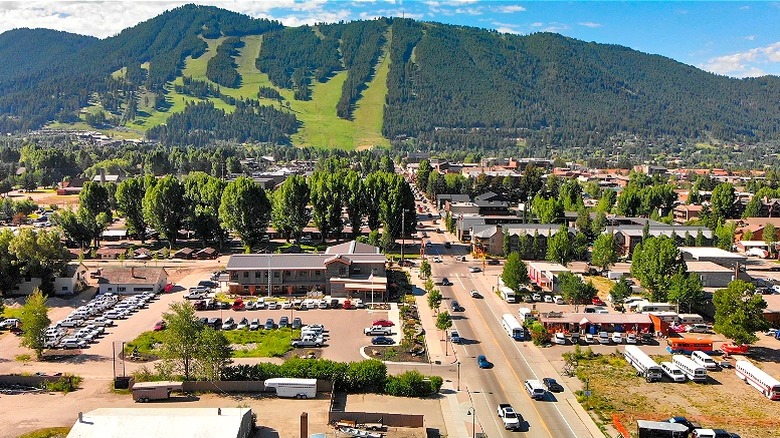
(167, 422)
(296, 261)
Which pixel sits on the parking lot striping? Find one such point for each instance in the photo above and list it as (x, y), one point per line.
(526, 363)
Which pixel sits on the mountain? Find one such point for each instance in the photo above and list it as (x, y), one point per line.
(24, 50)
(198, 74)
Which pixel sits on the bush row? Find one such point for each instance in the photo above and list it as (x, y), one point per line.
(364, 376)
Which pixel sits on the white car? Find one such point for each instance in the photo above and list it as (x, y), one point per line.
(548, 299)
(102, 322)
(631, 338)
(9, 323)
(617, 338)
(255, 324)
(287, 305)
(68, 322)
(73, 343)
(243, 324)
(273, 305)
(229, 324)
(249, 305)
(536, 297)
(589, 338)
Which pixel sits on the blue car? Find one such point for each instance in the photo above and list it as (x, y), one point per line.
(483, 362)
(382, 340)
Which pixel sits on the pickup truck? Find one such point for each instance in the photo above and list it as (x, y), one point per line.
(377, 330)
(308, 342)
(508, 416)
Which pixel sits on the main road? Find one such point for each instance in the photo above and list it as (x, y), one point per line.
(513, 362)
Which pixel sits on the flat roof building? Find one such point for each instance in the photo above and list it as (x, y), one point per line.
(164, 422)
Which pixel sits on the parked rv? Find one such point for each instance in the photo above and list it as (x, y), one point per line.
(147, 391)
(293, 388)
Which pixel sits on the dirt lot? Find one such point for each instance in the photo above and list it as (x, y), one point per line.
(723, 402)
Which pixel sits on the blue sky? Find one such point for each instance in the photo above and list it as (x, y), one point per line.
(737, 39)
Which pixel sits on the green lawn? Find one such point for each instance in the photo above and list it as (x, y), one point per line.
(49, 432)
(259, 343)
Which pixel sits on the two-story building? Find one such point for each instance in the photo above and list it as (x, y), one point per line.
(351, 269)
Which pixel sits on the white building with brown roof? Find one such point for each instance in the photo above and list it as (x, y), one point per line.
(131, 280)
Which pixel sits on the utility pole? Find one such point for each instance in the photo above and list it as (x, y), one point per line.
(403, 229)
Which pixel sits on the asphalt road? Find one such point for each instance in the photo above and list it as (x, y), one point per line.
(514, 362)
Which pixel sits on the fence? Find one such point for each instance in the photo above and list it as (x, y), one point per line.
(242, 386)
(390, 420)
(37, 381)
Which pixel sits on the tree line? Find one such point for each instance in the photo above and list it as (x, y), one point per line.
(221, 68)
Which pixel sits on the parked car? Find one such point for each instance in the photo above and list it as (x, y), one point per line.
(284, 322)
(482, 362)
(229, 324)
(215, 323)
(297, 323)
(11, 323)
(238, 304)
(382, 340)
(73, 343)
(255, 324)
(552, 385)
(631, 338)
(269, 324)
(589, 338)
(617, 337)
(273, 305)
(697, 328)
(684, 421)
(596, 301)
(603, 338)
(383, 323)
(475, 269)
(455, 337)
(160, 325)
(243, 324)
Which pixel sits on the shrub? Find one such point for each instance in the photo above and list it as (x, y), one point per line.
(412, 384)
(66, 383)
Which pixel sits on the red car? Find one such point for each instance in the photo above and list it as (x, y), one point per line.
(159, 326)
(383, 323)
(596, 301)
(238, 304)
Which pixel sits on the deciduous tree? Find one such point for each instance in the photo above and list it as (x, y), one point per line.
(130, 202)
(515, 272)
(165, 207)
(35, 320)
(604, 251)
(654, 262)
(686, 290)
(560, 247)
(290, 212)
(245, 209)
(739, 312)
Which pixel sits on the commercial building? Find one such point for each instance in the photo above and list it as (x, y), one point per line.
(712, 254)
(711, 274)
(351, 269)
(545, 274)
(164, 422)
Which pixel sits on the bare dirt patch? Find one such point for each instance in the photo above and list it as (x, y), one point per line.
(723, 402)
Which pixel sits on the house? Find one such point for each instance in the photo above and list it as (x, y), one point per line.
(184, 253)
(712, 254)
(684, 213)
(464, 224)
(109, 252)
(351, 269)
(754, 227)
(114, 234)
(443, 200)
(72, 186)
(166, 421)
(131, 280)
(72, 280)
(545, 274)
(207, 253)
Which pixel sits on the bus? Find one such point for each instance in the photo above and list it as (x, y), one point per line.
(289, 387)
(512, 327)
(645, 366)
(507, 294)
(691, 369)
(768, 385)
(688, 345)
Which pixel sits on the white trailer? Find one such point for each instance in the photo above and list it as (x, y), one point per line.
(293, 388)
(507, 294)
(645, 366)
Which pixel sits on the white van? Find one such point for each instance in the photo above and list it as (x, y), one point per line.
(704, 360)
(535, 389)
(673, 371)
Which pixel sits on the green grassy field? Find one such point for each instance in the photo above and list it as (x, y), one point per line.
(256, 343)
(369, 110)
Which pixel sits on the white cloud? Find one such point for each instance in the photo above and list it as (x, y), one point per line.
(537, 24)
(505, 29)
(469, 11)
(744, 64)
(750, 37)
(590, 24)
(509, 9)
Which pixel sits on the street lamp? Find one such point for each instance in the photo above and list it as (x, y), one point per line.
(473, 414)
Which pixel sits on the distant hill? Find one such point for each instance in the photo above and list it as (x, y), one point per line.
(23, 51)
(350, 84)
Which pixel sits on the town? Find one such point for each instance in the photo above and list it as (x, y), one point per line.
(374, 295)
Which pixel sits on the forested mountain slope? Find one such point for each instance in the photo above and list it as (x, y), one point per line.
(449, 85)
(26, 50)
